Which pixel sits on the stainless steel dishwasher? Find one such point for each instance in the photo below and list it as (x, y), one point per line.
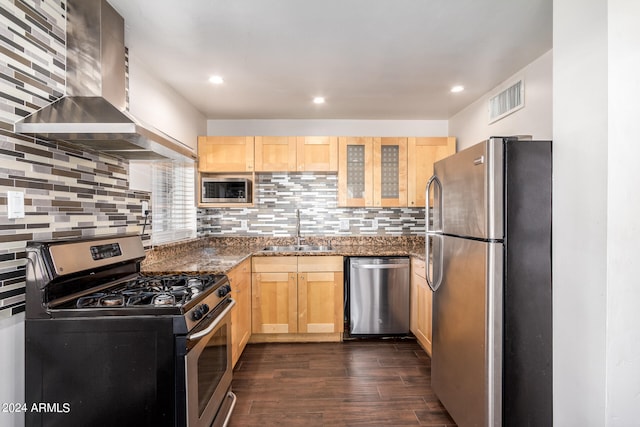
(378, 296)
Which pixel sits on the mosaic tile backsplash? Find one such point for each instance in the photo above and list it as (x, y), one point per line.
(279, 197)
(68, 191)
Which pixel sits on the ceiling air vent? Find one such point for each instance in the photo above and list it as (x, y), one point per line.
(506, 102)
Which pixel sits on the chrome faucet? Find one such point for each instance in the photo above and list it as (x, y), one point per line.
(298, 238)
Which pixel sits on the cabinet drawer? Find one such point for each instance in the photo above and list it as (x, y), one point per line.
(275, 264)
(320, 263)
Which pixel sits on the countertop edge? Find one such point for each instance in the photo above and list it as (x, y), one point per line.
(208, 260)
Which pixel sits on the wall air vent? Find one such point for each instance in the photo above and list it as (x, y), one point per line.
(506, 102)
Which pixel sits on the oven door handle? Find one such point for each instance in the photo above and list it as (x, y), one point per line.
(213, 324)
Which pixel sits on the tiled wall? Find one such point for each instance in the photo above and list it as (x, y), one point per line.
(279, 195)
(68, 191)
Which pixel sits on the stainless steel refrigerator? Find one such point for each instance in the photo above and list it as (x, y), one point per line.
(488, 247)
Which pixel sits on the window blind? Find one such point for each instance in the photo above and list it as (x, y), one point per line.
(173, 208)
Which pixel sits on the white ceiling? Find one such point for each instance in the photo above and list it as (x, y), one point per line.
(370, 59)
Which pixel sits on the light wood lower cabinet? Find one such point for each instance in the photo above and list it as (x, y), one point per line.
(240, 280)
(421, 302)
(275, 308)
(320, 294)
(297, 297)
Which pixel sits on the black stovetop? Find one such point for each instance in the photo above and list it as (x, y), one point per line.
(149, 291)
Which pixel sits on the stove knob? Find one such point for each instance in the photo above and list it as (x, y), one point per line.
(199, 311)
(224, 290)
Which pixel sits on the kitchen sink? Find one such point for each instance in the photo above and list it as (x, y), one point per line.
(297, 248)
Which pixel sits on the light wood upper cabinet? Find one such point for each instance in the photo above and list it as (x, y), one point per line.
(372, 172)
(317, 153)
(291, 154)
(225, 154)
(423, 153)
(421, 305)
(390, 172)
(275, 153)
(240, 281)
(355, 173)
(297, 295)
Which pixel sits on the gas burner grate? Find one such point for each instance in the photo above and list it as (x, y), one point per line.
(101, 300)
(151, 291)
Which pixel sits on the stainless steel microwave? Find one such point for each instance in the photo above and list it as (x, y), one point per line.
(225, 190)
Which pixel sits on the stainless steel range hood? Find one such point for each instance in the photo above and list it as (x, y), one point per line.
(93, 112)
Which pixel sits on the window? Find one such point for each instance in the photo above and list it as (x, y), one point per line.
(173, 208)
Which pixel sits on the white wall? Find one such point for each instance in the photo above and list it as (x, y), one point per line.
(596, 201)
(580, 211)
(623, 232)
(160, 106)
(328, 127)
(471, 126)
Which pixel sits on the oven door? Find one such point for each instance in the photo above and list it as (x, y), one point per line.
(208, 366)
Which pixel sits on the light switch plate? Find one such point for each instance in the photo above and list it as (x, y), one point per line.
(15, 204)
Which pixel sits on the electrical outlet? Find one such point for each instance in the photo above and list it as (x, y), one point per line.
(243, 224)
(15, 204)
(374, 223)
(344, 225)
(145, 206)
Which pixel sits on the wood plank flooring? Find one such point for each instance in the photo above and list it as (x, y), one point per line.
(353, 383)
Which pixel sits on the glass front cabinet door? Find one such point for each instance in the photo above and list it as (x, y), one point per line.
(372, 172)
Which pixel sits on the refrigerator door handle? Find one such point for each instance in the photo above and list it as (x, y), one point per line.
(436, 209)
(436, 263)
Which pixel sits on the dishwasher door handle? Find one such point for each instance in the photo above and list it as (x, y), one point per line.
(380, 266)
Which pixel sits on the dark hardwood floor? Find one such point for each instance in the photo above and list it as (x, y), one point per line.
(353, 383)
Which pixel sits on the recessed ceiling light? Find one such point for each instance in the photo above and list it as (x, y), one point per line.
(216, 80)
(457, 89)
(318, 100)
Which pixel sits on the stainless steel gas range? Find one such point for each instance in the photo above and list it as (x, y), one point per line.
(109, 346)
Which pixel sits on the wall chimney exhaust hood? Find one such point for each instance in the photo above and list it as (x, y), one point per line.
(93, 111)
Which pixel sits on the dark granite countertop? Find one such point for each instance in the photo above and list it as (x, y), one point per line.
(220, 255)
